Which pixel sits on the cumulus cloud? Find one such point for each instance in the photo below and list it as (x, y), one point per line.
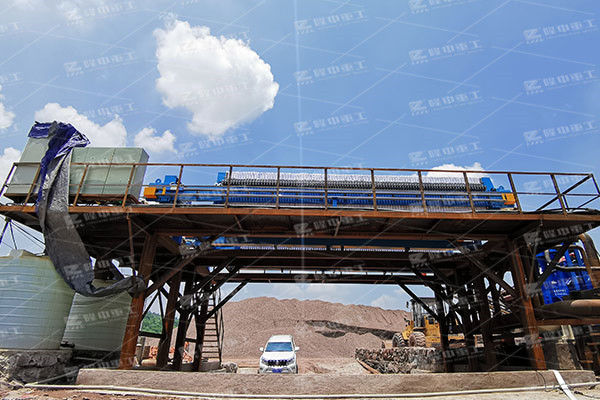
(6, 117)
(221, 81)
(8, 157)
(395, 301)
(475, 167)
(111, 134)
(148, 139)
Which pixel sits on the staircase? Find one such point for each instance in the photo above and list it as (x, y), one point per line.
(212, 347)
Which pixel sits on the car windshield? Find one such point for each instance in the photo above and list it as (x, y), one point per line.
(279, 346)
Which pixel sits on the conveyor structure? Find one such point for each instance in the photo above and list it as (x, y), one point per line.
(480, 241)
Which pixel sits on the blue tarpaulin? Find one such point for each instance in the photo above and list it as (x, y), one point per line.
(63, 243)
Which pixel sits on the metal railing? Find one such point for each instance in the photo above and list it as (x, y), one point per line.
(513, 198)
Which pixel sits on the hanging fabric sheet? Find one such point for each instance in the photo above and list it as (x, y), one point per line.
(63, 243)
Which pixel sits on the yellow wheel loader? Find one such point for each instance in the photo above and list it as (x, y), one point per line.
(423, 330)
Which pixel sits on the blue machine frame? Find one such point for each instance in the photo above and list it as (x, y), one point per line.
(560, 283)
(446, 196)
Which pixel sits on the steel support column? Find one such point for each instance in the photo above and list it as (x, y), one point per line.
(162, 357)
(592, 263)
(466, 314)
(485, 321)
(534, 346)
(184, 321)
(444, 344)
(136, 310)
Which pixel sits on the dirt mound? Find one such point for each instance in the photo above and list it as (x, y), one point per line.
(320, 328)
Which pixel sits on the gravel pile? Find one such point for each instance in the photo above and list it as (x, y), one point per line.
(320, 329)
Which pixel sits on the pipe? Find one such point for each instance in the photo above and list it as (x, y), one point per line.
(110, 389)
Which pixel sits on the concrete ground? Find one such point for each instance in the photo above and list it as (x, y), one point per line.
(328, 384)
(29, 394)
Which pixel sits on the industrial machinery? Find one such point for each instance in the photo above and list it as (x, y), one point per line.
(107, 177)
(423, 330)
(567, 275)
(398, 192)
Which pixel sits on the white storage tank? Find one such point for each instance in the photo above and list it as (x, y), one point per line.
(98, 323)
(34, 302)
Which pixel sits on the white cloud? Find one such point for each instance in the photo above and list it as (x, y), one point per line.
(7, 159)
(6, 117)
(395, 301)
(111, 134)
(148, 139)
(475, 167)
(223, 82)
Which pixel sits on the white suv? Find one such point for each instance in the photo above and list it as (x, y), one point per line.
(279, 355)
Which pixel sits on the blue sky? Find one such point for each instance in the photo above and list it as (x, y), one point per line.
(509, 84)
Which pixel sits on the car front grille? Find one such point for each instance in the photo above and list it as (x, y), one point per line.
(273, 363)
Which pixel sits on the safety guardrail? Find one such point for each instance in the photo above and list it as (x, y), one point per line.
(429, 190)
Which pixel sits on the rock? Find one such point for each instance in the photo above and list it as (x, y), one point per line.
(230, 367)
(401, 359)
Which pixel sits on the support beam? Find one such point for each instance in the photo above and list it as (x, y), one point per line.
(491, 275)
(164, 345)
(444, 343)
(184, 320)
(466, 315)
(550, 268)
(485, 320)
(436, 289)
(208, 291)
(592, 263)
(217, 307)
(170, 274)
(134, 320)
(198, 287)
(528, 321)
(418, 300)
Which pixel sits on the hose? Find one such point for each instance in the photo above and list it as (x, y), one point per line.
(123, 390)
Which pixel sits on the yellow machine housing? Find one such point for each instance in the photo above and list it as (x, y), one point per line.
(423, 330)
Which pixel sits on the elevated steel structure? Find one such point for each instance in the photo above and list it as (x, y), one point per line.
(473, 247)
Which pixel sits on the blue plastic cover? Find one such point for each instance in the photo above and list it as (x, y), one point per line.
(65, 138)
